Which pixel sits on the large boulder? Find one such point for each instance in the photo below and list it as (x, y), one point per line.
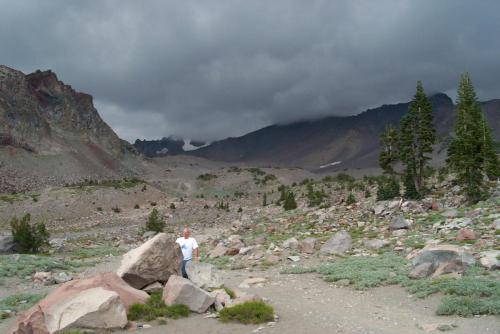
(153, 261)
(441, 259)
(179, 290)
(94, 308)
(34, 320)
(340, 243)
(203, 275)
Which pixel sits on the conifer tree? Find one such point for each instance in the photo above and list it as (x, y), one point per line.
(471, 154)
(417, 135)
(389, 153)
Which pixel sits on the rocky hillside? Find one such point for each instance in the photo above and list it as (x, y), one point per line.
(50, 133)
(334, 143)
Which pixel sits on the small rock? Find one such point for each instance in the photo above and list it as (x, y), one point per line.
(340, 243)
(153, 288)
(218, 251)
(466, 234)
(291, 243)
(294, 258)
(62, 278)
(373, 243)
(398, 222)
(308, 245)
(490, 259)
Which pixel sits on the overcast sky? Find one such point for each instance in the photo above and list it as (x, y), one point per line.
(211, 69)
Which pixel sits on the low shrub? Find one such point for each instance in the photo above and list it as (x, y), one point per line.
(27, 237)
(350, 199)
(116, 209)
(388, 188)
(154, 308)
(251, 312)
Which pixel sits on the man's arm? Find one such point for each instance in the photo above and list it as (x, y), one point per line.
(197, 254)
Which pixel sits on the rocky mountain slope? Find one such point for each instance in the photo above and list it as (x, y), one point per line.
(334, 142)
(50, 133)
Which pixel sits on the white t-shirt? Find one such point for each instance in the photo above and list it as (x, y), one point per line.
(187, 246)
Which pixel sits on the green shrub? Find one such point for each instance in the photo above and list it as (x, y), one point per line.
(137, 206)
(27, 237)
(172, 206)
(155, 222)
(350, 199)
(315, 197)
(229, 292)
(388, 188)
(289, 203)
(154, 308)
(206, 177)
(251, 312)
(116, 209)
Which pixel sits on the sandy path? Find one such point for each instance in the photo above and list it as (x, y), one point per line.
(306, 304)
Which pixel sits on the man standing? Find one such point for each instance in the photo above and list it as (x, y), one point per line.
(188, 245)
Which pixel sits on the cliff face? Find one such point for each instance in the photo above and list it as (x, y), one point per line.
(42, 119)
(37, 110)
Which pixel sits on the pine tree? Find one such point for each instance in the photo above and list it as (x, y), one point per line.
(264, 200)
(417, 135)
(471, 153)
(491, 161)
(289, 203)
(155, 222)
(389, 153)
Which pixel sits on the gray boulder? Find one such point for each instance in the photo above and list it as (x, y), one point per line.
(340, 243)
(441, 259)
(179, 290)
(399, 222)
(203, 275)
(153, 261)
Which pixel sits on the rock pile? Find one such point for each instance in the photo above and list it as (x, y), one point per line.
(102, 301)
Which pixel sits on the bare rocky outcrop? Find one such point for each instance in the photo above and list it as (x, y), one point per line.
(179, 290)
(37, 318)
(155, 260)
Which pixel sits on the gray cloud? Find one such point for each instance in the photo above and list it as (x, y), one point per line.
(211, 69)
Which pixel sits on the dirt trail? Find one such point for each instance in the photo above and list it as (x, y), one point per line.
(307, 304)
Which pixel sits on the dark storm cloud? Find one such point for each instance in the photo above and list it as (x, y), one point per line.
(211, 69)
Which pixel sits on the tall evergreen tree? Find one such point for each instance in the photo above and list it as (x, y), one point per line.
(471, 153)
(389, 152)
(417, 135)
(491, 161)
